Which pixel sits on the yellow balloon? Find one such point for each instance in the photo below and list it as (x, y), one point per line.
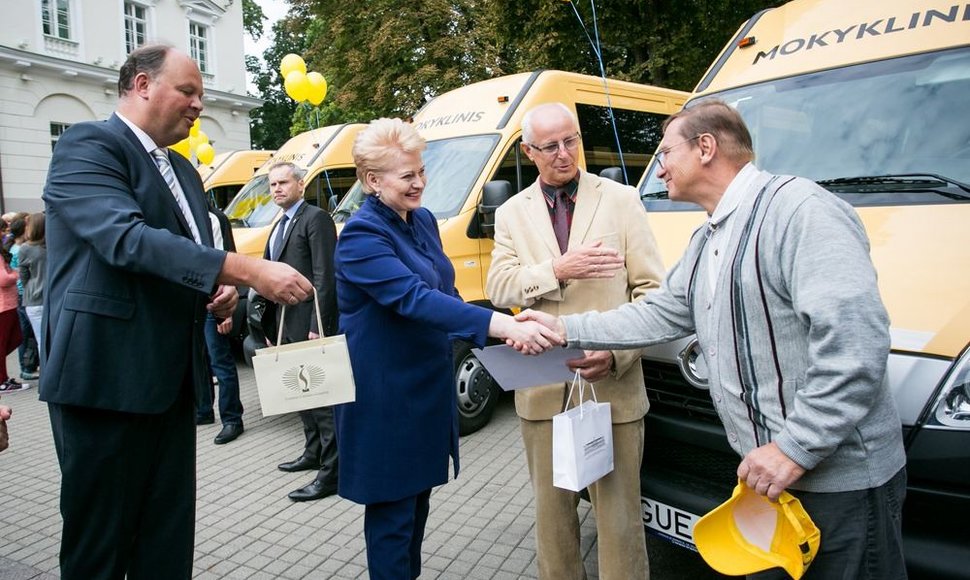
(318, 88)
(182, 148)
(202, 137)
(195, 128)
(296, 86)
(205, 153)
(193, 142)
(290, 63)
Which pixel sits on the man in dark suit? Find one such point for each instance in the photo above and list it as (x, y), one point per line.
(131, 274)
(305, 238)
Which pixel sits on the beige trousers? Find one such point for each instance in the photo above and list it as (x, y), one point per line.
(616, 503)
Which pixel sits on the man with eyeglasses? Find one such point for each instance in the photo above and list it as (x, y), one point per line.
(568, 243)
(781, 292)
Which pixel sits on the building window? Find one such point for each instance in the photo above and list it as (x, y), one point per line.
(136, 26)
(56, 16)
(199, 45)
(57, 129)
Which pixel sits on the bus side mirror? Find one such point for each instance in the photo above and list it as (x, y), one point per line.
(613, 174)
(494, 194)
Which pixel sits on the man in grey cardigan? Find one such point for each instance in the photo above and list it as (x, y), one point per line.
(779, 287)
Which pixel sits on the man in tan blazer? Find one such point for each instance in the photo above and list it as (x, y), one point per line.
(573, 242)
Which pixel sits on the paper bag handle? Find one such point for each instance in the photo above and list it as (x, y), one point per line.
(316, 304)
(578, 379)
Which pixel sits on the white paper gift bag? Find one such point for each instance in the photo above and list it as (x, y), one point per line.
(582, 441)
(304, 375)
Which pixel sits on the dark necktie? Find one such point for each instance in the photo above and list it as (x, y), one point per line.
(560, 220)
(278, 240)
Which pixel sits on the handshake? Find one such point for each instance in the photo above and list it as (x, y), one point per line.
(529, 332)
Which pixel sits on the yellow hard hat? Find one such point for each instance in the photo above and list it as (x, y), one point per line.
(750, 533)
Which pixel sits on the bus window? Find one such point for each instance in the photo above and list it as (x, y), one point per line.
(328, 188)
(640, 133)
(517, 168)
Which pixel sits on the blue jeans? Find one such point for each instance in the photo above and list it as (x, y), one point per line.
(223, 366)
(28, 353)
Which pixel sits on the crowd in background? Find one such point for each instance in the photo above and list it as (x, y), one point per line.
(21, 296)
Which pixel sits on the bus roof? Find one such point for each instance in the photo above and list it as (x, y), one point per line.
(232, 167)
(803, 36)
(493, 105)
(307, 148)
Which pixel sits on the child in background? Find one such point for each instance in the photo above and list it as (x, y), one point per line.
(10, 336)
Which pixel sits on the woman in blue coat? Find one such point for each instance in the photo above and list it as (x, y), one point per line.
(400, 311)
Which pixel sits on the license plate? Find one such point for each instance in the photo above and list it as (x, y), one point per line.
(672, 524)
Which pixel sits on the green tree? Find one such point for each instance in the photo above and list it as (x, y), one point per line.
(270, 124)
(388, 57)
(661, 42)
(253, 18)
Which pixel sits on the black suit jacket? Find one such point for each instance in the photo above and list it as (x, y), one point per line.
(127, 285)
(308, 247)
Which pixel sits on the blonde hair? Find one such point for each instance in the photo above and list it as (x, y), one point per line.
(377, 147)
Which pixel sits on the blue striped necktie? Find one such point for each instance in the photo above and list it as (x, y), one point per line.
(168, 174)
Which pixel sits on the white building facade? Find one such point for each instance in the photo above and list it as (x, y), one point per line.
(59, 62)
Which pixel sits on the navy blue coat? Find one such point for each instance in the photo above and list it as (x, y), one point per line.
(127, 286)
(400, 311)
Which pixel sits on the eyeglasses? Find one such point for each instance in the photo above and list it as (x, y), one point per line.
(550, 149)
(663, 153)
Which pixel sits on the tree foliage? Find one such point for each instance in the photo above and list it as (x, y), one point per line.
(253, 18)
(387, 57)
(668, 43)
(270, 124)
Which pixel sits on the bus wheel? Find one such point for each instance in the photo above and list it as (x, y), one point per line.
(477, 392)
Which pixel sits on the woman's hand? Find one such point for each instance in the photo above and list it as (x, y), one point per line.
(527, 337)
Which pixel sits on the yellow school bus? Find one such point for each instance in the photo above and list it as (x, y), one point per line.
(871, 99)
(228, 172)
(473, 136)
(324, 154)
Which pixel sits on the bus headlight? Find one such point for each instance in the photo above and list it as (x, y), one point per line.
(953, 405)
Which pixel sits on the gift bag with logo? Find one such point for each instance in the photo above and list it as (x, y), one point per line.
(582, 441)
(304, 375)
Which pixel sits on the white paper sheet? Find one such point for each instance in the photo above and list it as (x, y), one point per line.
(512, 370)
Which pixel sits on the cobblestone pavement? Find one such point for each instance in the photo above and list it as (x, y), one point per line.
(480, 526)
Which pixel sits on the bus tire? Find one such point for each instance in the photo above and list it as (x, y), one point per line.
(476, 389)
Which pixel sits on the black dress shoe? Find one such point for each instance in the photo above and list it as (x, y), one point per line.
(229, 432)
(301, 464)
(205, 420)
(316, 490)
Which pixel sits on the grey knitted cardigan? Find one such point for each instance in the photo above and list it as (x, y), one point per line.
(796, 336)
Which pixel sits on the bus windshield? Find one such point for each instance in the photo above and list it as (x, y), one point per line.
(253, 206)
(880, 133)
(451, 166)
